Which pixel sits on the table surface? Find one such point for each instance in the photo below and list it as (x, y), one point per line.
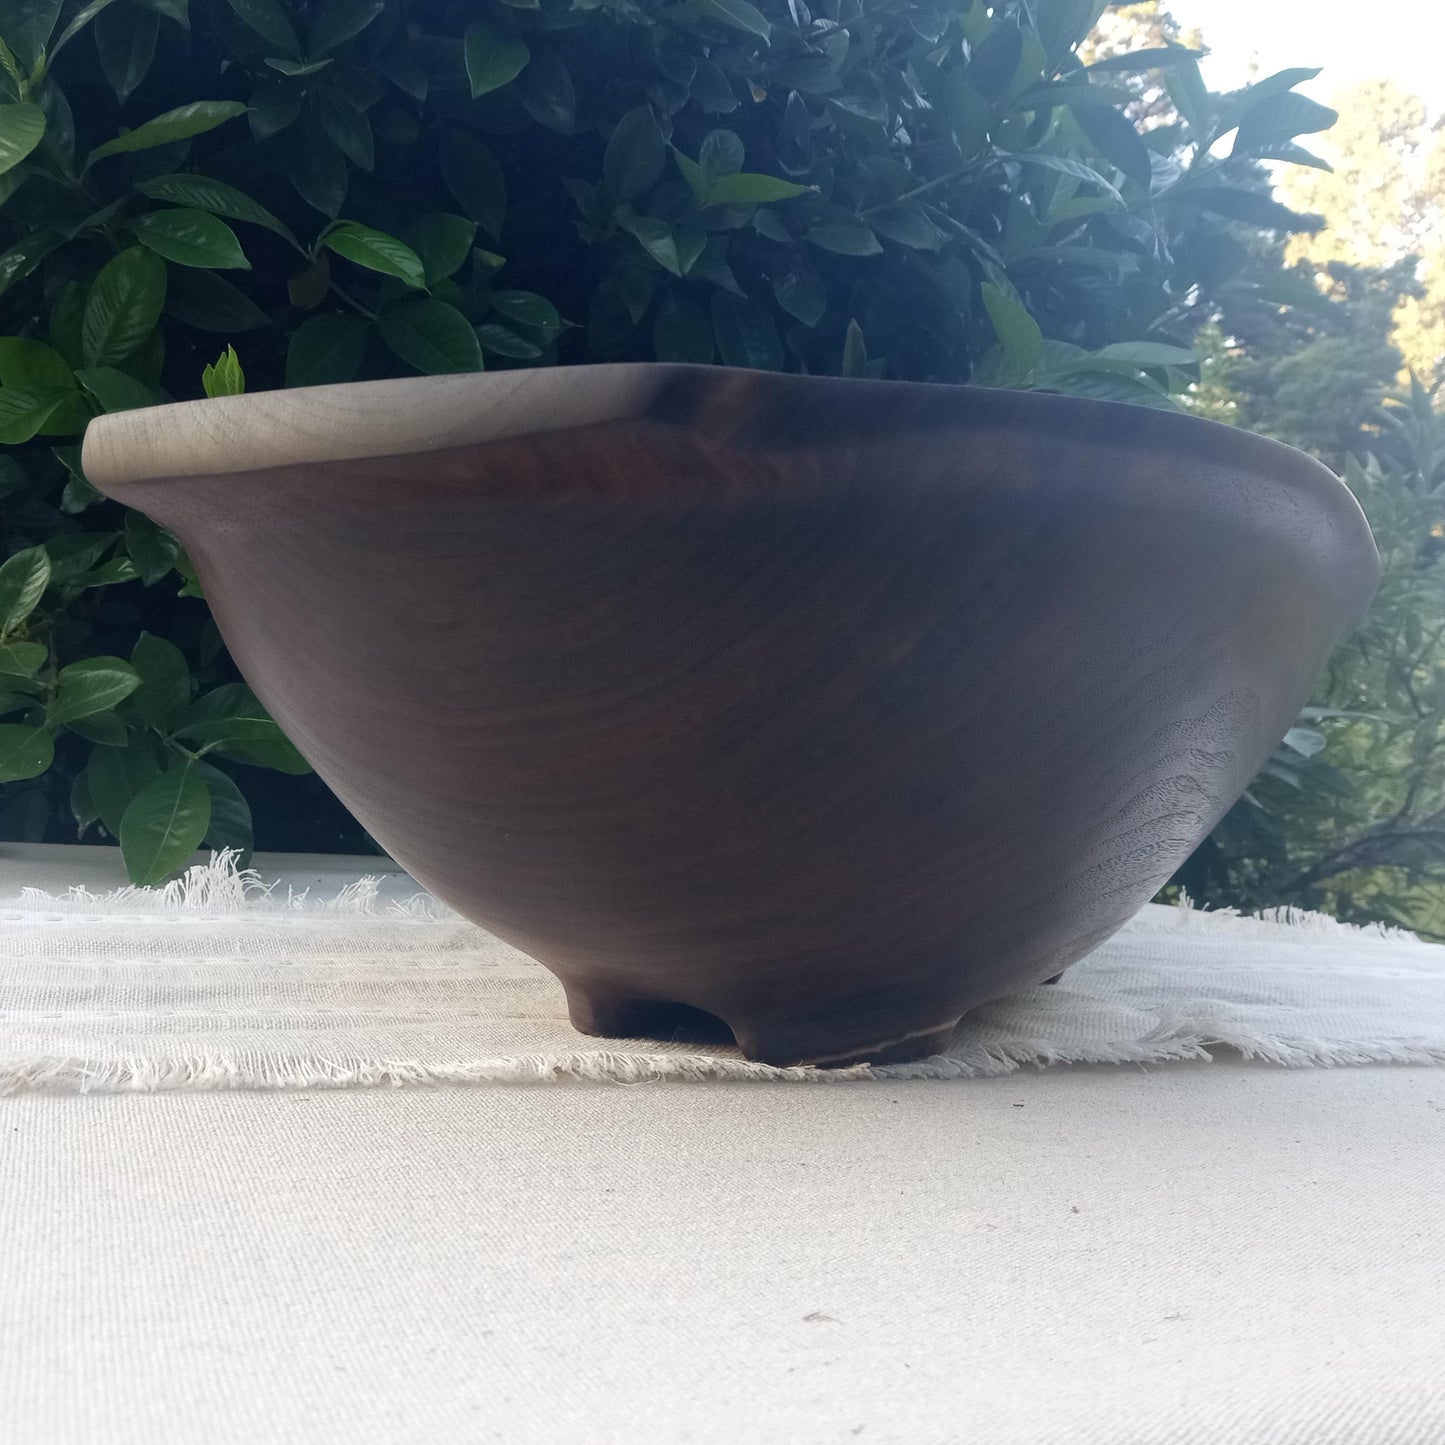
(1086, 1255)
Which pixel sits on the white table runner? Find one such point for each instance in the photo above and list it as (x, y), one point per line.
(1138, 1255)
(216, 982)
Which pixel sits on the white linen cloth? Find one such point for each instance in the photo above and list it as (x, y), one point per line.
(1132, 1255)
(219, 982)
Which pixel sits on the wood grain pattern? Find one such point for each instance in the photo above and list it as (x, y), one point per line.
(830, 709)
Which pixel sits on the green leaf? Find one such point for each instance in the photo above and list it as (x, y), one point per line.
(231, 699)
(1113, 134)
(1240, 101)
(294, 68)
(209, 303)
(694, 175)
(23, 579)
(275, 107)
(751, 189)
(125, 39)
(492, 58)
(721, 153)
(855, 352)
(682, 331)
(1190, 95)
(59, 122)
(1255, 208)
(26, 411)
(1147, 353)
(71, 553)
(337, 21)
(164, 824)
(11, 182)
(845, 238)
(26, 26)
(114, 389)
(204, 194)
(13, 480)
(26, 254)
(1017, 331)
(635, 154)
(224, 376)
(431, 336)
(25, 752)
(165, 681)
(66, 316)
(178, 124)
(191, 238)
(527, 308)
(123, 306)
(153, 550)
(230, 825)
(1067, 166)
(502, 341)
(118, 569)
(327, 348)
(233, 720)
(712, 90)
(1110, 385)
(1305, 741)
(21, 659)
(1279, 118)
(93, 685)
(177, 10)
(115, 776)
(995, 61)
(546, 91)
(969, 113)
(315, 165)
(801, 294)
(78, 495)
(674, 247)
(398, 63)
(745, 333)
(909, 226)
(104, 728)
(22, 127)
(473, 176)
(443, 241)
(10, 68)
(1137, 62)
(347, 128)
(269, 20)
(24, 362)
(82, 806)
(1062, 24)
(377, 251)
(736, 15)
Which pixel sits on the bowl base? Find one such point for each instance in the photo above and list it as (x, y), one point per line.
(604, 1012)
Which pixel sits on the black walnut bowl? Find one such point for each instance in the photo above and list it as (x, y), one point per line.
(828, 708)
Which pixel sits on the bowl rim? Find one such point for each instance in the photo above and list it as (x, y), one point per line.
(412, 416)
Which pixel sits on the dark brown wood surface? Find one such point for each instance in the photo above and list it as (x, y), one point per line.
(830, 709)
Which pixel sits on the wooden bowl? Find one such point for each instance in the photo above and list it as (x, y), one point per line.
(830, 709)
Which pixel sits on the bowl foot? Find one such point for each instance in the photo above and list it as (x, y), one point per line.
(831, 1048)
(610, 1013)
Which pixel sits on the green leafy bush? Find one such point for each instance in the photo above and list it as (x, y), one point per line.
(1348, 817)
(360, 188)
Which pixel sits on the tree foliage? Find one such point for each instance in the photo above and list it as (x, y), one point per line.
(1349, 816)
(1385, 203)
